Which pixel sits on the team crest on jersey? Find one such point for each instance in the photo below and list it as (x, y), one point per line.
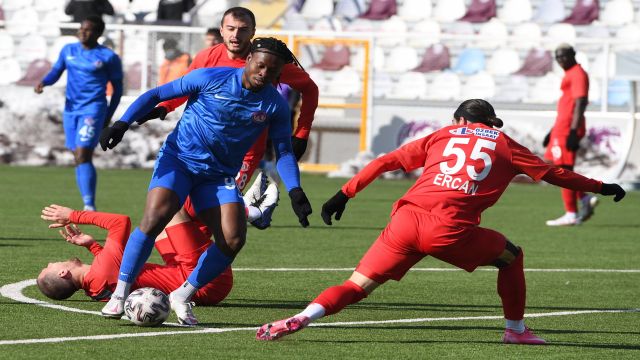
(461, 131)
(98, 64)
(259, 117)
(89, 121)
(480, 132)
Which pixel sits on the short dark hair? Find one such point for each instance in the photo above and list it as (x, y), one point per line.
(213, 31)
(239, 12)
(56, 288)
(98, 22)
(478, 111)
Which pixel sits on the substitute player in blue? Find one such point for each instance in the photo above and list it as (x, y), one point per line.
(227, 110)
(89, 67)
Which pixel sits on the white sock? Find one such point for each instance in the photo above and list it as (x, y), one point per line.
(572, 214)
(254, 213)
(185, 292)
(313, 311)
(516, 325)
(122, 289)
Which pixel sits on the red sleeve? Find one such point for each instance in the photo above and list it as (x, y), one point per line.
(527, 162)
(570, 180)
(118, 226)
(95, 248)
(199, 62)
(580, 84)
(300, 81)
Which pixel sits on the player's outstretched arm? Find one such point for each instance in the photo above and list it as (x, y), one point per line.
(58, 215)
(72, 234)
(290, 174)
(574, 181)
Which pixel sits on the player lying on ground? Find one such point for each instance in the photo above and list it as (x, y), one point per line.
(180, 245)
(227, 110)
(467, 167)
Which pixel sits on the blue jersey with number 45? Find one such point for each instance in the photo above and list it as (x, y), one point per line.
(221, 120)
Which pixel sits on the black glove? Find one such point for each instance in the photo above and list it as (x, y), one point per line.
(299, 147)
(613, 189)
(111, 136)
(545, 142)
(573, 142)
(158, 112)
(300, 205)
(335, 205)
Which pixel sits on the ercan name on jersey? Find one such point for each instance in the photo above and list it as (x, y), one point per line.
(480, 132)
(450, 182)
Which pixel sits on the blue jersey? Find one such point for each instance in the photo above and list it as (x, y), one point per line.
(88, 71)
(221, 120)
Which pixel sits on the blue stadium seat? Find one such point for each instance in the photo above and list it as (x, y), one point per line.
(470, 61)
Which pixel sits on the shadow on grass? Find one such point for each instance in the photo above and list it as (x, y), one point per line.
(321, 226)
(17, 238)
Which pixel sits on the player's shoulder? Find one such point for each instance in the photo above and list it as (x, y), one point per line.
(209, 53)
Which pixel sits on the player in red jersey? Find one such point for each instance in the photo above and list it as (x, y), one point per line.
(467, 167)
(563, 140)
(237, 28)
(180, 250)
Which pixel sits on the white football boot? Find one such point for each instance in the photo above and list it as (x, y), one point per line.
(255, 191)
(267, 204)
(589, 202)
(114, 309)
(568, 219)
(183, 310)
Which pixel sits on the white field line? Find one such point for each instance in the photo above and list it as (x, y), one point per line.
(14, 292)
(439, 270)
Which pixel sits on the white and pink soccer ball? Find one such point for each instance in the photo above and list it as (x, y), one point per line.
(147, 307)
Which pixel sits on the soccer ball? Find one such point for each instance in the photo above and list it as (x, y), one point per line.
(147, 307)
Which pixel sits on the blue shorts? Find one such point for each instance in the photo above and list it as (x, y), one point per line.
(82, 130)
(206, 192)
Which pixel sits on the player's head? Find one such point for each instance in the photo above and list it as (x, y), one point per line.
(478, 111)
(265, 62)
(237, 28)
(212, 37)
(90, 30)
(56, 282)
(565, 56)
(171, 51)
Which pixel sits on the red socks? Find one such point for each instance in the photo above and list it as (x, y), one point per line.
(336, 298)
(569, 198)
(512, 289)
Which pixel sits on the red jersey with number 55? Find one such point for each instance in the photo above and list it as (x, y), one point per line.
(466, 169)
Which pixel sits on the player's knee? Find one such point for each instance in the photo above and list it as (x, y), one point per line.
(509, 255)
(154, 220)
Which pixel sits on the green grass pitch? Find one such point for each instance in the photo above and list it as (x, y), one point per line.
(610, 240)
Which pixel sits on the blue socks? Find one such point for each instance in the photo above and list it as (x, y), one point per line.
(211, 264)
(86, 180)
(136, 253)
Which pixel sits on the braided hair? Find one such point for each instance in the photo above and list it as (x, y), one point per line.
(478, 110)
(275, 47)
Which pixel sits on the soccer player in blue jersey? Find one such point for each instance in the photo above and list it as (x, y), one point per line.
(89, 67)
(228, 109)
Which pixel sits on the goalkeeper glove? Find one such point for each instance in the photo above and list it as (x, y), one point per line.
(158, 112)
(335, 205)
(111, 136)
(573, 142)
(545, 142)
(301, 206)
(613, 189)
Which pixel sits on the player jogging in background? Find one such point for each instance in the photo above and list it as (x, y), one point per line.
(467, 166)
(563, 141)
(180, 249)
(90, 67)
(228, 109)
(237, 28)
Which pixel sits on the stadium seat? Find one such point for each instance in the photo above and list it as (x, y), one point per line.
(595, 91)
(619, 92)
(528, 35)
(617, 12)
(349, 9)
(319, 77)
(584, 12)
(378, 57)
(50, 5)
(31, 47)
(504, 62)
(428, 32)
(479, 86)
(435, 58)
(36, 71)
(13, 5)
(317, 9)
(558, 34)
(10, 71)
(445, 86)
(119, 6)
(493, 34)
(209, 13)
(480, 11)
(6, 45)
(58, 44)
(470, 61)
(460, 28)
(410, 86)
(329, 24)
(1, 13)
(334, 58)
(383, 84)
(600, 66)
(415, 10)
(392, 32)
(344, 83)
(629, 33)
(22, 22)
(449, 10)
(363, 25)
(513, 90)
(546, 90)
(515, 11)
(380, 10)
(48, 27)
(550, 12)
(537, 63)
(295, 21)
(401, 58)
(147, 6)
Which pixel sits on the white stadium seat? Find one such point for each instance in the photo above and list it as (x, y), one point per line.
(319, 77)
(58, 44)
(630, 34)
(50, 5)
(31, 47)
(22, 22)
(6, 45)
(410, 86)
(528, 35)
(344, 83)
(515, 11)
(617, 12)
(599, 67)
(401, 58)
(449, 10)
(392, 32)
(546, 90)
(364, 25)
(513, 90)
(504, 62)
(558, 34)
(10, 71)
(328, 24)
(479, 86)
(429, 33)
(415, 10)
(550, 11)
(145, 6)
(48, 27)
(349, 9)
(13, 5)
(383, 84)
(493, 34)
(317, 8)
(445, 86)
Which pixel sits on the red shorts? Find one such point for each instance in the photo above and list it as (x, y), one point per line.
(557, 151)
(413, 234)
